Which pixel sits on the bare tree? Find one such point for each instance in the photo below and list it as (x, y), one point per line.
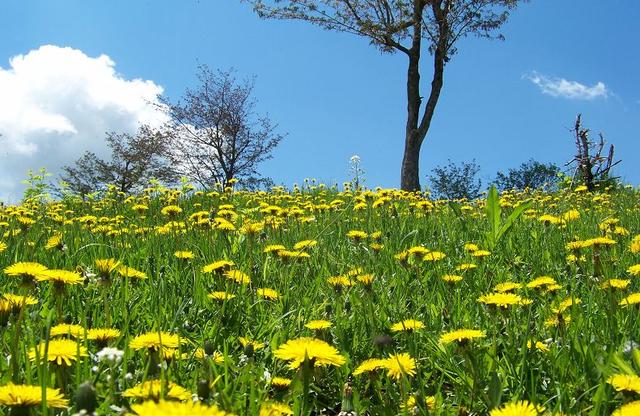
(218, 136)
(402, 25)
(135, 160)
(592, 167)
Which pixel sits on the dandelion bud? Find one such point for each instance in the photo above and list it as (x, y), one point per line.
(249, 350)
(209, 348)
(204, 389)
(86, 398)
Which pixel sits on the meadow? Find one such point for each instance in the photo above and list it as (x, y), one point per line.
(316, 301)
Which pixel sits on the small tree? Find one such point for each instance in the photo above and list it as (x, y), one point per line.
(456, 181)
(591, 166)
(217, 134)
(135, 160)
(530, 174)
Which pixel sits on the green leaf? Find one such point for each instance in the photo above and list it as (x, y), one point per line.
(495, 390)
(493, 211)
(517, 212)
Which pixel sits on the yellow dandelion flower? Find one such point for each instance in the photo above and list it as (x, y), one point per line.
(540, 346)
(275, 409)
(541, 282)
(365, 279)
(171, 210)
(252, 228)
(318, 324)
(218, 266)
(126, 271)
(19, 301)
(634, 270)
(292, 254)
(25, 270)
(417, 251)
(184, 255)
(565, 304)
(552, 288)
(223, 224)
(466, 266)
(629, 409)
(274, 248)
(296, 351)
(74, 331)
(139, 208)
(238, 277)
(507, 287)
(503, 300)
(519, 408)
(481, 253)
(155, 341)
(461, 336)
(60, 277)
(339, 281)
(153, 389)
(376, 246)
(247, 341)
(103, 335)
(434, 256)
(550, 219)
(356, 235)
(470, 247)
(3, 246)
(267, 293)
(104, 267)
(173, 408)
(55, 241)
(221, 296)
(600, 241)
(59, 351)
(451, 278)
(625, 382)
(369, 365)
(615, 284)
(398, 365)
(576, 245)
(280, 382)
(634, 246)
(24, 396)
(305, 244)
(632, 299)
(407, 325)
(557, 320)
(571, 215)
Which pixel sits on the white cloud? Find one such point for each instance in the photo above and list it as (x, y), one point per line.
(560, 87)
(56, 103)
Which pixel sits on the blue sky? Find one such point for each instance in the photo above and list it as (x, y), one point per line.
(335, 95)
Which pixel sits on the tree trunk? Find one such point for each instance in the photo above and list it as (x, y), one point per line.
(415, 135)
(410, 177)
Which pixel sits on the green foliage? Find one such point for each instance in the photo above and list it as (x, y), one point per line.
(38, 188)
(529, 175)
(456, 181)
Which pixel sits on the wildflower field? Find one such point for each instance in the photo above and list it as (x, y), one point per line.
(315, 301)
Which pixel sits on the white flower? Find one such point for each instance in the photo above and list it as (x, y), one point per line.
(354, 159)
(109, 354)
